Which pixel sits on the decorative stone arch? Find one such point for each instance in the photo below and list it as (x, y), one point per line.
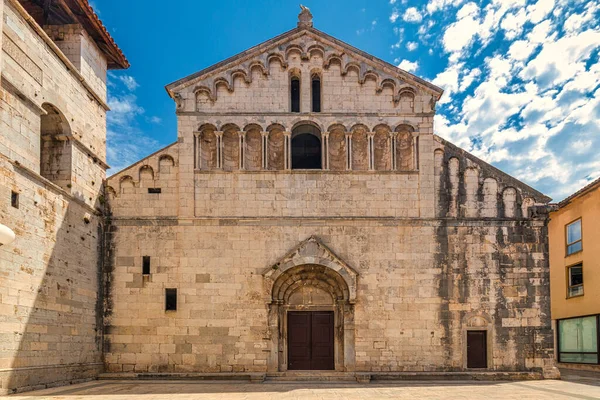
(311, 278)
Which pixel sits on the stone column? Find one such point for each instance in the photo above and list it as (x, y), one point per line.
(242, 150)
(287, 150)
(371, 150)
(325, 150)
(219, 135)
(393, 152)
(1, 35)
(265, 150)
(197, 151)
(348, 151)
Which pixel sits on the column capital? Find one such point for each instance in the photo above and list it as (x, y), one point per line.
(242, 133)
(325, 134)
(264, 133)
(218, 133)
(286, 133)
(196, 133)
(348, 134)
(370, 134)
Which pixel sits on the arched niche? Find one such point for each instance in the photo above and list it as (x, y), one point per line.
(311, 278)
(306, 147)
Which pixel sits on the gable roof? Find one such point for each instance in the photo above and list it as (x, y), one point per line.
(586, 189)
(292, 34)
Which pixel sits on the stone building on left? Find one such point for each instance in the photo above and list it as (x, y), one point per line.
(54, 61)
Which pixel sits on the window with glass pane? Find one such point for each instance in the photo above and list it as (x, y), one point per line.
(576, 280)
(578, 340)
(574, 237)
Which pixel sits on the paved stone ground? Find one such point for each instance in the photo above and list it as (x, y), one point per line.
(179, 390)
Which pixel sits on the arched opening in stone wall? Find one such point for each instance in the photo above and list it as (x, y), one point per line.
(311, 282)
(360, 148)
(405, 156)
(338, 156)
(231, 147)
(253, 148)
(306, 147)
(381, 148)
(55, 147)
(206, 148)
(275, 145)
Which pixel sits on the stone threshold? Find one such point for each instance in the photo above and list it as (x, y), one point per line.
(327, 376)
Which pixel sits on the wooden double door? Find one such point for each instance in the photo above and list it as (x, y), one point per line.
(310, 340)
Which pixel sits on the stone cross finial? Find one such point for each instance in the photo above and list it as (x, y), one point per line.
(305, 18)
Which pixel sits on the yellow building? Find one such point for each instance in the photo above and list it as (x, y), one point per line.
(574, 232)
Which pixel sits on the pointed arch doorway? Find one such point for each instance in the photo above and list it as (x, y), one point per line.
(311, 310)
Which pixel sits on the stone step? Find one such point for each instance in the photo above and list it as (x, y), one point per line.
(311, 376)
(199, 376)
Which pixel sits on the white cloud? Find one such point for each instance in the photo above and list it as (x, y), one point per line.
(129, 81)
(538, 11)
(412, 15)
(408, 66)
(394, 16)
(438, 5)
(460, 33)
(520, 50)
(411, 46)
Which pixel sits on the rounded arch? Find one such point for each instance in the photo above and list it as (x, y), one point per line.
(274, 126)
(360, 147)
(146, 173)
(230, 127)
(309, 275)
(306, 122)
(54, 122)
(55, 147)
(126, 182)
(254, 126)
(207, 126)
(165, 160)
(316, 48)
(405, 148)
(206, 147)
(337, 126)
(306, 147)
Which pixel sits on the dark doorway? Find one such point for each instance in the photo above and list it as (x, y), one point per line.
(476, 349)
(310, 340)
(306, 151)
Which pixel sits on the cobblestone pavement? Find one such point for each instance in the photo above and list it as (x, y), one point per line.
(178, 390)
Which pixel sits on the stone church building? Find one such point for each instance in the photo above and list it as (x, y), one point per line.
(308, 218)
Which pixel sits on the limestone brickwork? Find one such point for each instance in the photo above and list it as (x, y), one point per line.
(52, 161)
(410, 240)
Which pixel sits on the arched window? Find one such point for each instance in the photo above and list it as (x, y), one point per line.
(295, 93)
(316, 93)
(306, 147)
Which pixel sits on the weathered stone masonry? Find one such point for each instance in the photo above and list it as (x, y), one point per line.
(409, 240)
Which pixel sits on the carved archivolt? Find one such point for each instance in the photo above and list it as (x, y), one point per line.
(306, 50)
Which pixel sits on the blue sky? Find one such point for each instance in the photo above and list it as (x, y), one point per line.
(522, 78)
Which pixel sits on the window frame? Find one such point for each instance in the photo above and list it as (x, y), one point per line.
(567, 244)
(172, 292)
(14, 199)
(314, 77)
(146, 259)
(558, 352)
(569, 286)
(292, 79)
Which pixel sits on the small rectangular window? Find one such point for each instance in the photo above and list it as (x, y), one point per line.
(14, 199)
(574, 243)
(154, 190)
(575, 280)
(295, 94)
(170, 299)
(146, 265)
(316, 94)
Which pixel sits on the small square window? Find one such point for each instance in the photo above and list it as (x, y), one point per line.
(574, 243)
(146, 265)
(170, 299)
(14, 199)
(575, 280)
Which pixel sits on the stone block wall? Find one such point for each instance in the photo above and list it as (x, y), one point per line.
(421, 285)
(48, 284)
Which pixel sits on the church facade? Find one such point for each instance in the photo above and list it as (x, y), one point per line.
(308, 218)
